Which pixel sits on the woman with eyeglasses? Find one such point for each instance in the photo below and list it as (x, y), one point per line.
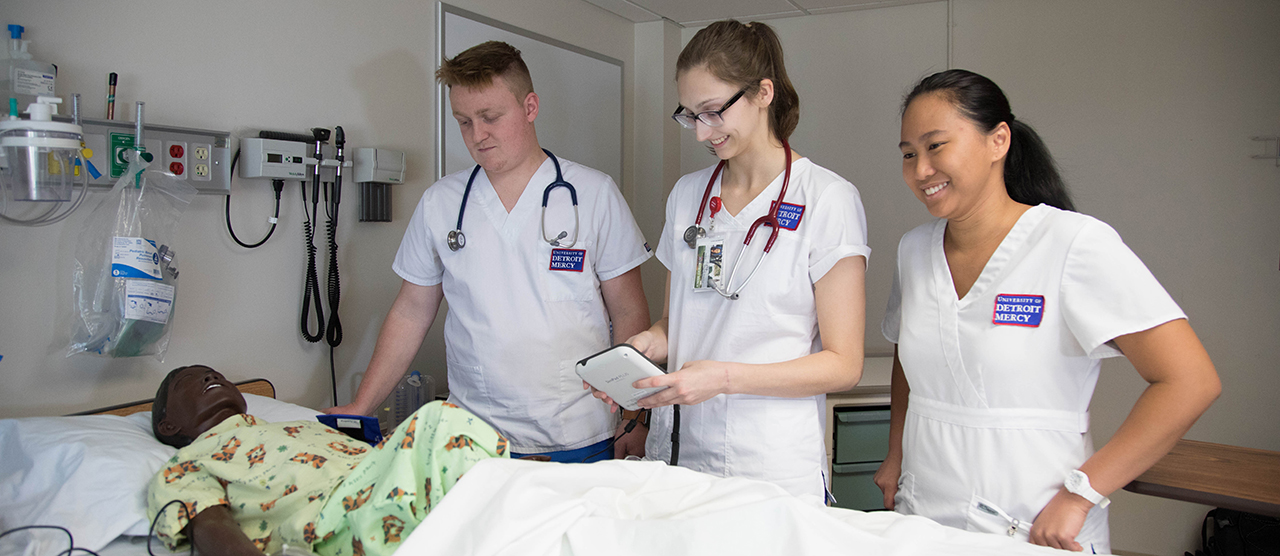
(765, 251)
(1002, 310)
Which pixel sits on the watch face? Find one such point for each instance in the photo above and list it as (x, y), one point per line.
(1074, 480)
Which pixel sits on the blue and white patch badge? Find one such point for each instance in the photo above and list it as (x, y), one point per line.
(1018, 310)
(568, 260)
(789, 216)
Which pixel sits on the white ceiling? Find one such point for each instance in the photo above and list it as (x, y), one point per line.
(692, 13)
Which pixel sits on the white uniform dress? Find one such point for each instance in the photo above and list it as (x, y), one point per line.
(518, 320)
(1001, 379)
(761, 437)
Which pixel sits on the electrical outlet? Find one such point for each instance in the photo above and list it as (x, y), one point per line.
(200, 171)
(200, 151)
(175, 153)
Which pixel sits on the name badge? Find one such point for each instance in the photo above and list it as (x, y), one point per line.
(709, 264)
(789, 215)
(1018, 310)
(568, 260)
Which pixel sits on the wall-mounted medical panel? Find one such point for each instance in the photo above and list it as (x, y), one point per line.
(200, 157)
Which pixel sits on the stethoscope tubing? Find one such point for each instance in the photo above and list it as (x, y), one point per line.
(546, 195)
(770, 219)
(457, 240)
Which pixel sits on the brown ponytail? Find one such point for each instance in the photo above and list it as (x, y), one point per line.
(743, 54)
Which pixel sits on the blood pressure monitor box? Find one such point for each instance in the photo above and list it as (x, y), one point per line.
(613, 370)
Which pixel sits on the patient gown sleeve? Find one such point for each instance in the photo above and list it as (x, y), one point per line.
(396, 486)
(274, 477)
(194, 488)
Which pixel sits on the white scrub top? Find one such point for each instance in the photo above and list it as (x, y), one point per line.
(1001, 379)
(775, 319)
(518, 321)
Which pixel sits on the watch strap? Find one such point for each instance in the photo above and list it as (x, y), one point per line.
(1078, 483)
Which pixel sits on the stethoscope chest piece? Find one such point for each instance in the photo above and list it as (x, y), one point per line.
(456, 240)
(692, 233)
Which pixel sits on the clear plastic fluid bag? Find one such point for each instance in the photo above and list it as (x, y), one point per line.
(125, 277)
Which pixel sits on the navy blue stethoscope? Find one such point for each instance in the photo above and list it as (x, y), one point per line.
(457, 240)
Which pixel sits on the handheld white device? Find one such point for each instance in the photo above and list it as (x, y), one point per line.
(613, 370)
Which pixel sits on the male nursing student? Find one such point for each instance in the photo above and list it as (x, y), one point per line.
(522, 311)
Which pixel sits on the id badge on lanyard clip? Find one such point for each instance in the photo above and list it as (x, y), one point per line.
(709, 251)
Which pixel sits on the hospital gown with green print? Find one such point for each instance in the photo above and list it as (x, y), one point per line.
(302, 483)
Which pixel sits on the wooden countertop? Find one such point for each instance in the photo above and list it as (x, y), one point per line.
(1244, 479)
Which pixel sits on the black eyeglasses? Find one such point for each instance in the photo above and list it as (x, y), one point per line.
(712, 118)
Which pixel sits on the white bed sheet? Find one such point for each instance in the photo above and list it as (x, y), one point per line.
(529, 508)
(619, 508)
(136, 546)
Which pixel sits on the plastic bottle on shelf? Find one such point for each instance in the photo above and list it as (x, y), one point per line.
(25, 78)
(413, 391)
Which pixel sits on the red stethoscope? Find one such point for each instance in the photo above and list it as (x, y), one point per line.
(692, 233)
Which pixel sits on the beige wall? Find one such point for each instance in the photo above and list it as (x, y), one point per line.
(1149, 106)
(657, 140)
(243, 66)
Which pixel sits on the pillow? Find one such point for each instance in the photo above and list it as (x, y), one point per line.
(90, 473)
(86, 473)
(275, 411)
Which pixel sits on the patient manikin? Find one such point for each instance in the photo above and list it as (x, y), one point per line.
(252, 487)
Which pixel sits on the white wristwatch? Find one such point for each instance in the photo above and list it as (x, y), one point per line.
(1078, 483)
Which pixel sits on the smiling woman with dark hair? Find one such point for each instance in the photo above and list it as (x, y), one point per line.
(244, 486)
(1002, 310)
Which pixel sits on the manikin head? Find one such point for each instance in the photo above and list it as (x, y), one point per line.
(190, 401)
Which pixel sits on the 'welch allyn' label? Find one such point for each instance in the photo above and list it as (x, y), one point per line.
(135, 257)
(147, 300)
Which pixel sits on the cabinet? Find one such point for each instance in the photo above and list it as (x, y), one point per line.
(860, 443)
(858, 437)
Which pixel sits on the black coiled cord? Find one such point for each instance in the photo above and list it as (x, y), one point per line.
(334, 331)
(311, 291)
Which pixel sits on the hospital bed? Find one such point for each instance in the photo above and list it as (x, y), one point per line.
(90, 472)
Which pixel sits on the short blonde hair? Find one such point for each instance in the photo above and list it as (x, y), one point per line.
(476, 67)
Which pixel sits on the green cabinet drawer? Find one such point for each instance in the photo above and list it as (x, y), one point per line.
(862, 434)
(854, 488)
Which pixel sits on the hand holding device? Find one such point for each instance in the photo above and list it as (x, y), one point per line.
(613, 371)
